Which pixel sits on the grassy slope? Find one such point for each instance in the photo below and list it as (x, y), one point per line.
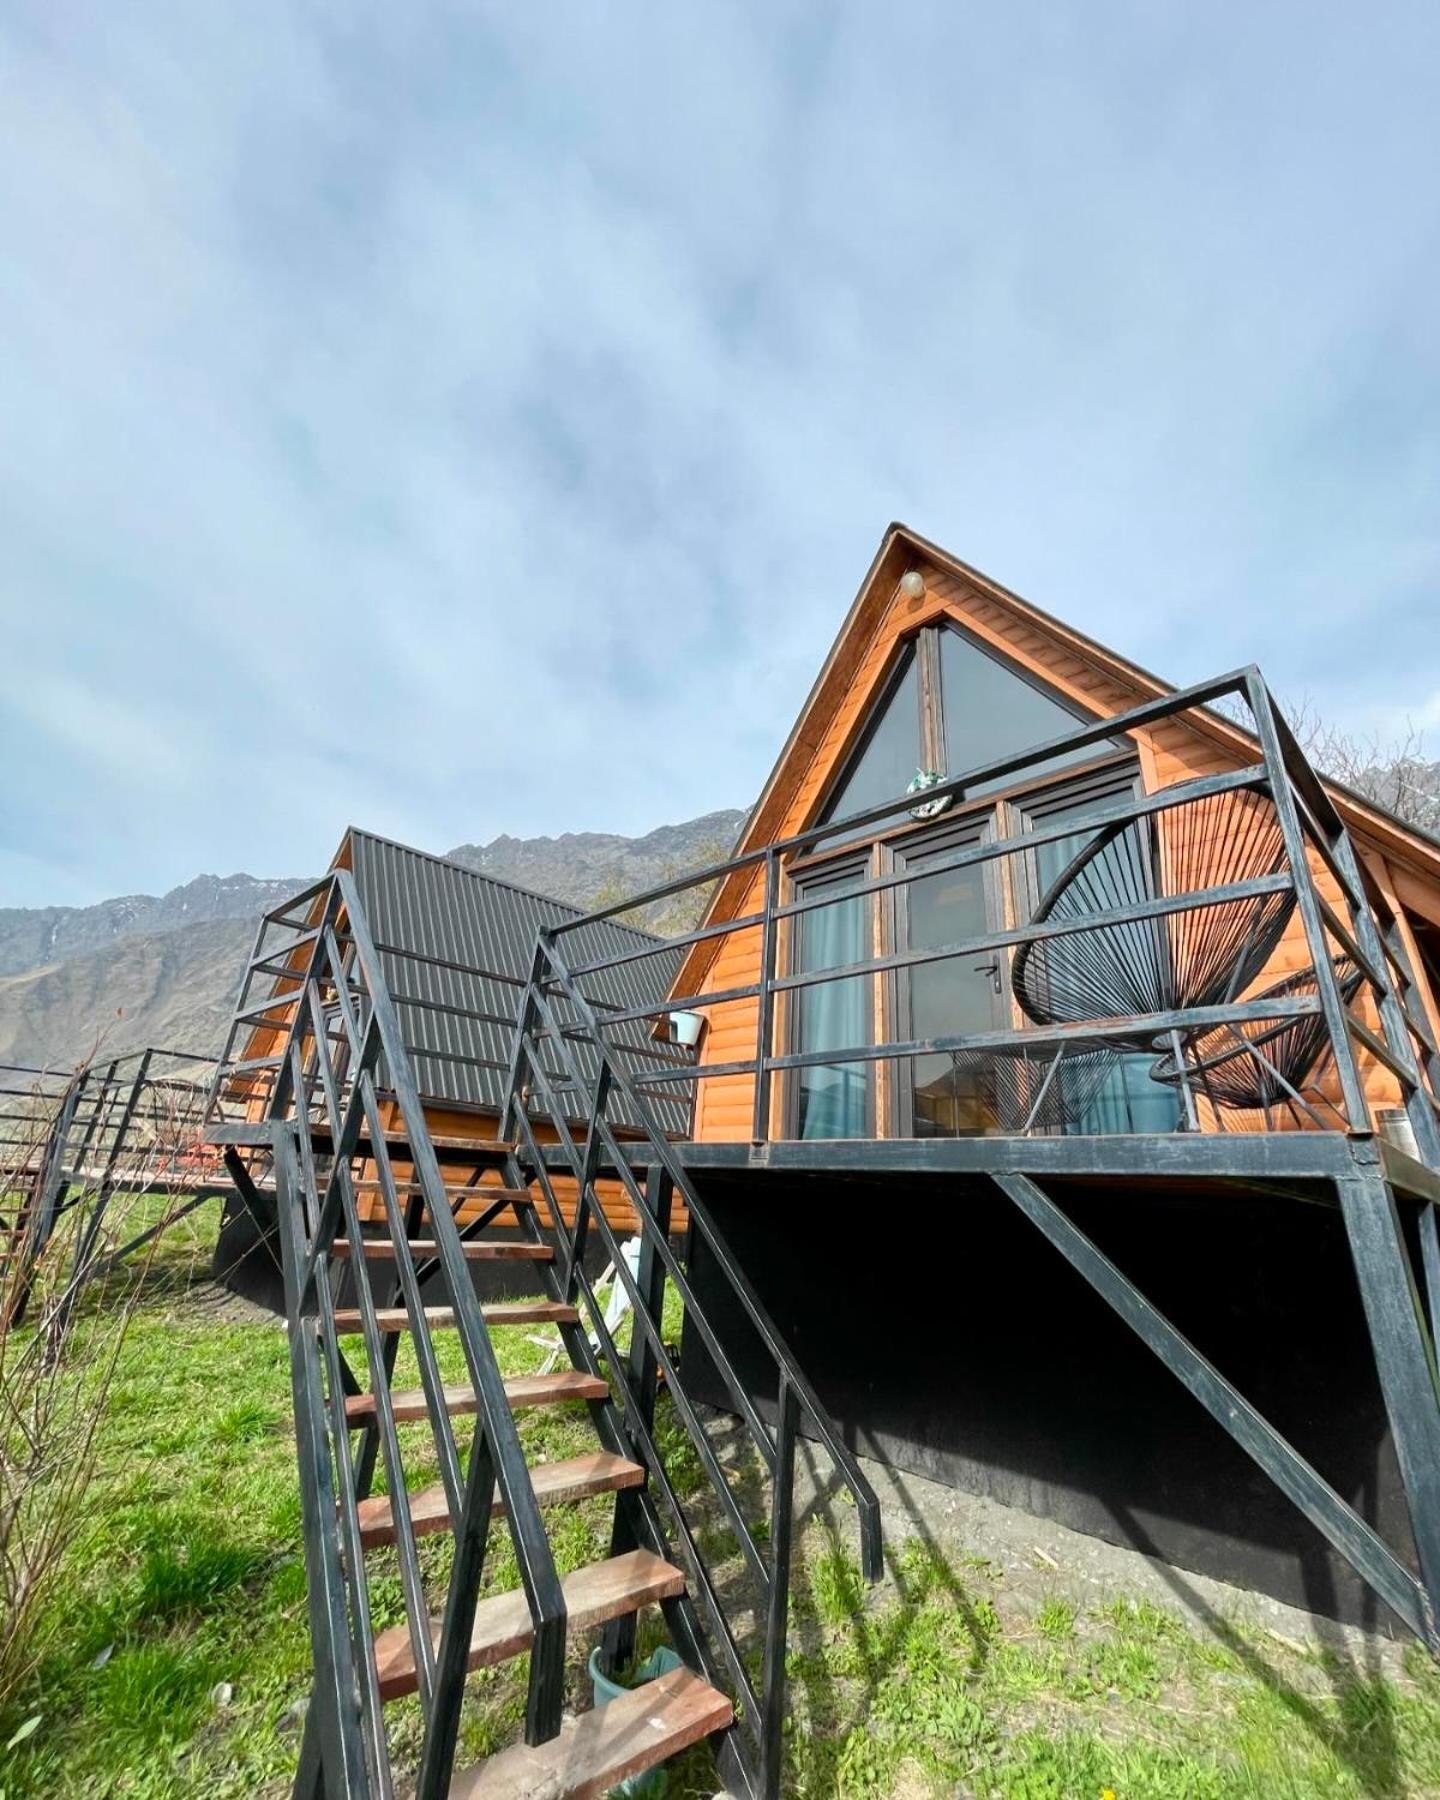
(175, 1663)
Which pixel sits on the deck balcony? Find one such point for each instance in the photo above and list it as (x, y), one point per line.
(1043, 948)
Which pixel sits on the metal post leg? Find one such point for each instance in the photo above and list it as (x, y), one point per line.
(1404, 1356)
(618, 1642)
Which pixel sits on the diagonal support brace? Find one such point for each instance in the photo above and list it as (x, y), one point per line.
(1360, 1545)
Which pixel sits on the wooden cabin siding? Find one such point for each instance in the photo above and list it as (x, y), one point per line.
(460, 1122)
(1175, 750)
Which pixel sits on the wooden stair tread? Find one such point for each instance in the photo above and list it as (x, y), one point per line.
(425, 1249)
(509, 1312)
(521, 1391)
(574, 1478)
(463, 1190)
(484, 1148)
(599, 1749)
(502, 1628)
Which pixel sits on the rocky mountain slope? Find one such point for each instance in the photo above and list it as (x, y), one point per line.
(591, 867)
(34, 937)
(174, 988)
(150, 969)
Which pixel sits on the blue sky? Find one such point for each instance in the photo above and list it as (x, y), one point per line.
(474, 419)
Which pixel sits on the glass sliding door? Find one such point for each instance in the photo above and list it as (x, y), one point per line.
(946, 1094)
(833, 1100)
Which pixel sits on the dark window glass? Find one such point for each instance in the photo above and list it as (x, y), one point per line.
(992, 712)
(951, 1094)
(833, 1101)
(890, 754)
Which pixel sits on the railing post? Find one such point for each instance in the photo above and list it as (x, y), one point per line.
(765, 1004)
(46, 1193)
(437, 1756)
(127, 1118)
(1332, 1003)
(520, 1047)
(100, 1103)
(580, 1231)
(659, 1193)
(777, 1610)
(1404, 1353)
(339, 1746)
(1367, 936)
(644, 1370)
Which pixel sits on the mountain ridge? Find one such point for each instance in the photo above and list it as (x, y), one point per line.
(145, 968)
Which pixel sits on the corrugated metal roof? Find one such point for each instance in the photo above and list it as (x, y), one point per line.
(421, 906)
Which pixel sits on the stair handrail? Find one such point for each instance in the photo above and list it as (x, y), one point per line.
(663, 1150)
(309, 1074)
(762, 1714)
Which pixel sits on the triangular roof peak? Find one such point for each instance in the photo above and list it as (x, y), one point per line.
(1093, 677)
(1087, 672)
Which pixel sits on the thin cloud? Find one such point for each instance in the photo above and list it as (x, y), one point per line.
(477, 420)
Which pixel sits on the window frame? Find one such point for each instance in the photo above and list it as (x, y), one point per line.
(854, 860)
(1012, 892)
(1028, 812)
(1027, 891)
(949, 833)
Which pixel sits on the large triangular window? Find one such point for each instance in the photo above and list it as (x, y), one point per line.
(991, 711)
(891, 750)
(949, 706)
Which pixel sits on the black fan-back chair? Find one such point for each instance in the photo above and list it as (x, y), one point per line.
(1013, 1089)
(1203, 956)
(1261, 1064)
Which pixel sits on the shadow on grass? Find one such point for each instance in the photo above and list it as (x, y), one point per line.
(1364, 1736)
(829, 1590)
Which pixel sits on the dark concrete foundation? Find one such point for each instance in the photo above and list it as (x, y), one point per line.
(948, 1338)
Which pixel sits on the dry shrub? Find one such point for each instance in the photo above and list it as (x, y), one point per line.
(56, 1368)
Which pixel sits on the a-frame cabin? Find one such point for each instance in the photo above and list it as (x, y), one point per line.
(938, 669)
(1049, 1096)
(456, 947)
(943, 1336)
(1002, 1371)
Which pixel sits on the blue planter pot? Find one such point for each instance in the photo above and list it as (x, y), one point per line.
(660, 1662)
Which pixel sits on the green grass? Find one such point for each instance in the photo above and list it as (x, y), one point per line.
(176, 1660)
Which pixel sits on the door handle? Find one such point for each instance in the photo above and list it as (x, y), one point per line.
(990, 969)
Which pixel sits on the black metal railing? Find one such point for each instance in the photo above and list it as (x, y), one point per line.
(30, 1100)
(317, 1102)
(72, 1141)
(324, 1114)
(533, 1095)
(1217, 871)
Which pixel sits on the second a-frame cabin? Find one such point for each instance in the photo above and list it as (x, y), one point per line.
(1046, 1104)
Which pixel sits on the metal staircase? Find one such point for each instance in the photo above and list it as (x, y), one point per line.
(361, 1184)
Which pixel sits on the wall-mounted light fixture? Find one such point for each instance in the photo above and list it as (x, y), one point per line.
(685, 1028)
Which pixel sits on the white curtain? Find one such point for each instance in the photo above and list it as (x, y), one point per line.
(833, 1016)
